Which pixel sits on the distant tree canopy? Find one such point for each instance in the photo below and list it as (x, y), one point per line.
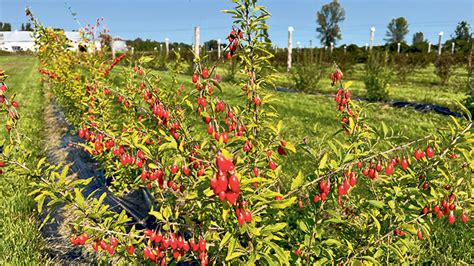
(418, 38)
(396, 30)
(462, 31)
(462, 37)
(328, 19)
(5, 26)
(26, 27)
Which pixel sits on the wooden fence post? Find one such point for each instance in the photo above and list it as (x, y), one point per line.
(290, 46)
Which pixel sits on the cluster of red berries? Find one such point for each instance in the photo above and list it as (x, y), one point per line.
(336, 77)
(233, 38)
(50, 74)
(79, 240)
(324, 188)
(178, 245)
(271, 164)
(373, 169)
(138, 70)
(348, 181)
(243, 216)
(114, 63)
(448, 207)
(105, 245)
(225, 183)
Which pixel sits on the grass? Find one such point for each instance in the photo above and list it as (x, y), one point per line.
(422, 86)
(21, 240)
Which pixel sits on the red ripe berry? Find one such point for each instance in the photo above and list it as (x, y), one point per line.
(323, 196)
(451, 197)
(451, 218)
(257, 101)
(436, 209)
(419, 234)
(130, 249)
(404, 164)
(248, 216)
(234, 184)
(440, 214)
(141, 155)
(389, 169)
(353, 181)
(272, 165)
(194, 246)
(346, 183)
(205, 73)
(15, 104)
(429, 152)
(210, 129)
(195, 78)
(281, 151)
(341, 190)
(418, 155)
(113, 241)
(316, 198)
(104, 245)
(95, 245)
(300, 203)
(359, 165)
(256, 171)
(425, 210)
(174, 169)
(378, 167)
(202, 245)
(464, 218)
(186, 170)
(365, 172)
(297, 252)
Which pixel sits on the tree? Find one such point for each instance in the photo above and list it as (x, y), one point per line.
(418, 38)
(27, 27)
(462, 31)
(5, 26)
(328, 19)
(396, 30)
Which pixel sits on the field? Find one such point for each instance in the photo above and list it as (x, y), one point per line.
(310, 118)
(22, 242)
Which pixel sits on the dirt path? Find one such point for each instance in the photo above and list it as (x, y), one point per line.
(57, 136)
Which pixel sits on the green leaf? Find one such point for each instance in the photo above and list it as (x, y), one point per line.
(376, 203)
(376, 222)
(331, 242)
(279, 252)
(323, 161)
(282, 204)
(297, 181)
(273, 228)
(225, 240)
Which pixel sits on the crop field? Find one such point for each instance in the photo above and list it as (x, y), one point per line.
(238, 152)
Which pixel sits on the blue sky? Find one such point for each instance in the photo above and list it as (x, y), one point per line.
(175, 19)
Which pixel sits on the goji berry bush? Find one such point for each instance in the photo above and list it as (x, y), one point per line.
(217, 189)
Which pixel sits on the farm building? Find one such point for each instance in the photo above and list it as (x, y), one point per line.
(120, 45)
(16, 41)
(23, 40)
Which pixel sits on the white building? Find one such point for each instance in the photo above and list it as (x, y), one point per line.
(120, 45)
(24, 41)
(16, 41)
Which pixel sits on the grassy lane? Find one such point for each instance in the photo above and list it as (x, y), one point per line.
(422, 86)
(21, 241)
